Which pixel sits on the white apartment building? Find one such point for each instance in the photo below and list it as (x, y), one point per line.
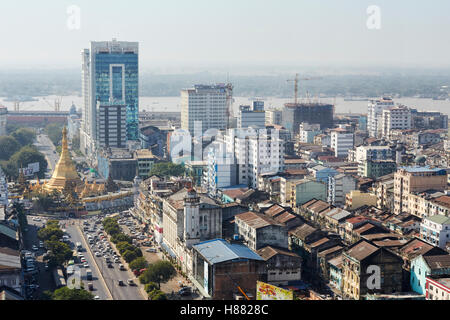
(338, 186)
(206, 104)
(364, 153)
(251, 117)
(307, 132)
(395, 118)
(436, 230)
(256, 152)
(341, 142)
(374, 115)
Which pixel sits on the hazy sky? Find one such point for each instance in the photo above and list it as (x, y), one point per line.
(227, 32)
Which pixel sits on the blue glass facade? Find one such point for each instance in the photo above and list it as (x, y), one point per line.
(116, 80)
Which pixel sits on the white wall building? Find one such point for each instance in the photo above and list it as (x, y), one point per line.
(274, 117)
(307, 132)
(436, 230)
(208, 104)
(338, 186)
(395, 118)
(341, 142)
(364, 153)
(374, 114)
(251, 117)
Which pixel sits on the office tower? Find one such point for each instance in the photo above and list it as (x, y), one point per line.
(296, 113)
(109, 76)
(374, 113)
(252, 116)
(395, 118)
(112, 130)
(209, 105)
(341, 142)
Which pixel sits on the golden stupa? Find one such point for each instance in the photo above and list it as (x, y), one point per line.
(65, 171)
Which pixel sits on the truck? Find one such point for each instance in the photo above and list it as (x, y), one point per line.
(89, 274)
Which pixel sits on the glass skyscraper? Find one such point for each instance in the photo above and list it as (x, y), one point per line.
(110, 76)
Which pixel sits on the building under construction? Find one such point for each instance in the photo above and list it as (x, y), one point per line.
(317, 113)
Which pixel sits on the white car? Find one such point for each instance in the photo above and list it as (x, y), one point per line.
(34, 247)
(96, 298)
(86, 265)
(98, 254)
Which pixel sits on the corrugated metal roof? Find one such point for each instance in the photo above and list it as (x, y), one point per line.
(218, 250)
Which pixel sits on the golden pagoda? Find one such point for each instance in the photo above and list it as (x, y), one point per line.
(65, 171)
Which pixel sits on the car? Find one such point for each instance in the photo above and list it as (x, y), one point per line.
(120, 282)
(83, 260)
(110, 265)
(90, 286)
(131, 282)
(98, 254)
(96, 298)
(122, 267)
(116, 260)
(86, 265)
(35, 248)
(41, 244)
(185, 291)
(152, 250)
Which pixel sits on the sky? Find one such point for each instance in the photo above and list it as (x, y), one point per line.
(206, 33)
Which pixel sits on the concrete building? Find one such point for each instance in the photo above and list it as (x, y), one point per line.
(437, 288)
(322, 174)
(429, 119)
(306, 190)
(426, 266)
(155, 139)
(258, 230)
(436, 230)
(120, 163)
(111, 124)
(341, 142)
(416, 179)
(395, 118)
(296, 113)
(307, 132)
(356, 199)
(252, 116)
(145, 161)
(338, 186)
(359, 261)
(287, 190)
(374, 115)
(109, 75)
(274, 117)
(219, 265)
(364, 153)
(283, 266)
(189, 218)
(376, 168)
(11, 274)
(206, 104)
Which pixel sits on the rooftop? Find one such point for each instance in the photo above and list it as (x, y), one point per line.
(268, 252)
(438, 262)
(256, 220)
(439, 219)
(218, 250)
(361, 250)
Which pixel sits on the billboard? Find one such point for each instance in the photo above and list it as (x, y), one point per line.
(265, 291)
(31, 169)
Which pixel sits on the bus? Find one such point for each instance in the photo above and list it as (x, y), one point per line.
(79, 246)
(58, 276)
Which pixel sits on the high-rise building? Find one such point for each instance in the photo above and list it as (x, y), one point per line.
(274, 117)
(205, 104)
(252, 116)
(112, 131)
(395, 118)
(374, 113)
(296, 113)
(109, 76)
(341, 142)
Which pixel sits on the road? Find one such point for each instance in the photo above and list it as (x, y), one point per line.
(99, 285)
(46, 146)
(112, 277)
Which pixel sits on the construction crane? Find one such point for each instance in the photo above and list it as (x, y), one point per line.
(296, 85)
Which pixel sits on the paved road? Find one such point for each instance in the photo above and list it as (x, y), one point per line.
(100, 288)
(45, 145)
(112, 277)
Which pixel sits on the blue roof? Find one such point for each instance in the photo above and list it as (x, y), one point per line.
(422, 169)
(219, 250)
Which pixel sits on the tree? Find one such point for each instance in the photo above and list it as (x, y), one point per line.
(138, 264)
(121, 237)
(65, 293)
(165, 169)
(24, 136)
(129, 256)
(60, 252)
(149, 287)
(76, 142)
(43, 202)
(54, 132)
(8, 146)
(110, 185)
(50, 233)
(157, 294)
(27, 155)
(159, 272)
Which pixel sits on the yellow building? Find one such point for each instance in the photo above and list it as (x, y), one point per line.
(356, 199)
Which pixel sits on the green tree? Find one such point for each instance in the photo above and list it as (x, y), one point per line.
(50, 233)
(65, 293)
(60, 252)
(54, 132)
(138, 264)
(129, 256)
(8, 146)
(27, 155)
(121, 237)
(159, 272)
(149, 287)
(157, 294)
(43, 202)
(24, 136)
(166, 169)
